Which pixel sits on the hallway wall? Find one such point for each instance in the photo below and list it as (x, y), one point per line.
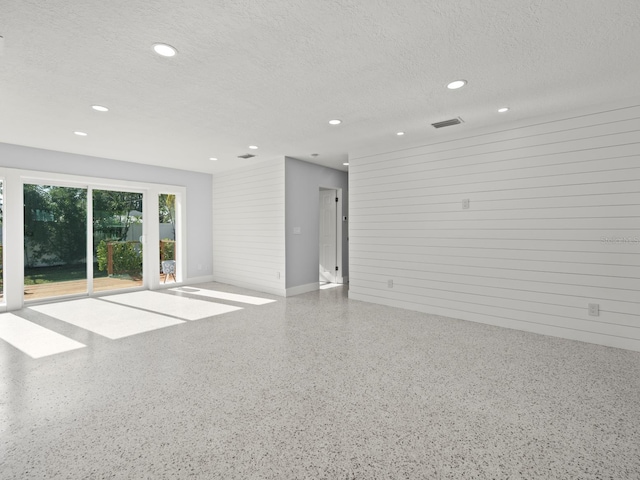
(303, 182)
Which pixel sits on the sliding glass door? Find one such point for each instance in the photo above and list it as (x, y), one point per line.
(71, 236)
(55, 232)
(117, 240)
(55, 241)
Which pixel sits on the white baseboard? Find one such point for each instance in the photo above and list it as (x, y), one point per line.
(549, 330)
(300, 289)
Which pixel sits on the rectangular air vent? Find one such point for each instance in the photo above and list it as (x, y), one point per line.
(448, 123)
(246, 155)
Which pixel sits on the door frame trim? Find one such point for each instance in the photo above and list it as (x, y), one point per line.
(338, 191)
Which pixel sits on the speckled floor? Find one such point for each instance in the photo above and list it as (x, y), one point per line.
(318, 387)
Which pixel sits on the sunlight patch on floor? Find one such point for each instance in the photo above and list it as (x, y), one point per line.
(330, 285)
(181, 307)
(233, 297)
(32, 339)
(106, 319)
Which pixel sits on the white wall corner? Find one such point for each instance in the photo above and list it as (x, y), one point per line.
(300, 289)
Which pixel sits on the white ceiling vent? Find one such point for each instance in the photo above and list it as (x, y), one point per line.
(447, 123)
(246, 155)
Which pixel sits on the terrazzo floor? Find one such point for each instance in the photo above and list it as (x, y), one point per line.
(309, 387)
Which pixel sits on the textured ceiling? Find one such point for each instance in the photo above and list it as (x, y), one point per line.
(272, 73)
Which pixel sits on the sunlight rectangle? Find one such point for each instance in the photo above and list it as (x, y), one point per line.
(32, 339)
(106, 319)
(181, 307)
(233, 297)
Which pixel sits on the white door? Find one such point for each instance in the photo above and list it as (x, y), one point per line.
(328, 236)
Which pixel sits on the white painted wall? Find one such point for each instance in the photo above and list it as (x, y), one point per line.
(198, 187)
(553, 225)
(303, 182)
(248, 227)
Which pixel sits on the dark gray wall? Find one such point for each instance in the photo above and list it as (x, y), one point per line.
(302, 190)
(198, 185)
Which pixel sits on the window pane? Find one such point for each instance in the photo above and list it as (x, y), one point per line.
(55, 246)
(167, 220)
(117, 231)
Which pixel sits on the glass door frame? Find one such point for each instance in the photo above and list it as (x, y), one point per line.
(88, 254)
(90, 239)
(13, 230)
(3, 235)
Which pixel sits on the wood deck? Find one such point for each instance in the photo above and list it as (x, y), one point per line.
(74, 287)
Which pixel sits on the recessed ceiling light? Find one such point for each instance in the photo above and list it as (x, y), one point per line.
(335, 122)
(346, 164)
(213, 159)
(80, 134)
(503, 109)
(457, 84)
(99, 108)
(400, 134)
(164, 49)
(253, 147)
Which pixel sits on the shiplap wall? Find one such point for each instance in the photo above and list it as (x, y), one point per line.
(248, 227)
(553, 224)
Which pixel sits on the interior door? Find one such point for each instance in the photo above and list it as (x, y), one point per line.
(328, 236)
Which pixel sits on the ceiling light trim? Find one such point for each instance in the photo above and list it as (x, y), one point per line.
(165, 50)
(456, 84)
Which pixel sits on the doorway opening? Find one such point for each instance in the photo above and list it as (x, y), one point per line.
(330, 237)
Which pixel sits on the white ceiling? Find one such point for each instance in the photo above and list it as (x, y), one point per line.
(273, 73)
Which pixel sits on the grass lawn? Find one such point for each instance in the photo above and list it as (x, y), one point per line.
(59, 273)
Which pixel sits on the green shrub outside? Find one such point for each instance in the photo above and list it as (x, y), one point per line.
(127, 257)
(168, 249)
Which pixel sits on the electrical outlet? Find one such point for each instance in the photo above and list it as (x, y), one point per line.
(465, 203)
(390, 283)
(594, 309)
(278, 275)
